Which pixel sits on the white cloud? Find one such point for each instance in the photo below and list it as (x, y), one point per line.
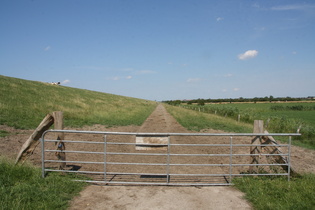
(65, 82)
(127, 69)
(113, 78)
(193, 80)
(248, 54)
(256, 5)
(293, 7)
(47, 48)
(219, 19)
(116, 78)
(262, 28)
(294, 52)
(145, 72)
(224, 90)
(228, 75)
(236, 89)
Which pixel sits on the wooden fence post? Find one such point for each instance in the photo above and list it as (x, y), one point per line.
(31, 143)
(277, 150)
(58, 125)
(254, 150)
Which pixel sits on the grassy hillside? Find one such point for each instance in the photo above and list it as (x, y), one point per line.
(23, 104)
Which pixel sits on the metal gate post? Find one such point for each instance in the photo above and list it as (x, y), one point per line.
(168, 160)
(105, 151)
(43, 157)
(231, 153)
(289, 158)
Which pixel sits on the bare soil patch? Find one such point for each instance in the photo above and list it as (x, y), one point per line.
(152, 197)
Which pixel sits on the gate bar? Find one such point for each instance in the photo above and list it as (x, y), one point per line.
(173, 134)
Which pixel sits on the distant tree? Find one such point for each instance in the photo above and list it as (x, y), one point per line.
(177, 102)
(270, 98)
(241, 99)
(201, 102)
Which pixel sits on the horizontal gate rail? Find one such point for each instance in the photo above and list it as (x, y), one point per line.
(171, 134)
(119, 161)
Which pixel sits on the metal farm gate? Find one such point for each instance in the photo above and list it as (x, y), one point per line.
(163, 158)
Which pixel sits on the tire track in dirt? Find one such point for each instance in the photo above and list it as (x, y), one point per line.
(160, 121)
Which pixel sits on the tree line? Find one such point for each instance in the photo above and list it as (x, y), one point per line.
(241, 99)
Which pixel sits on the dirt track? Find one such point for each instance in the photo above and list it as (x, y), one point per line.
(152, 197)
(159, 197)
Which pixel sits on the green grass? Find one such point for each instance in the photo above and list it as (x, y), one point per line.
(306, 116)
(277, 193)
(265, 110)
(21, 187)
(279, 118)
(198, 121)
(25, 103)
(3, 133)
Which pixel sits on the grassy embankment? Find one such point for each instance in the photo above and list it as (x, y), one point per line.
(262, 192)
(23, 105)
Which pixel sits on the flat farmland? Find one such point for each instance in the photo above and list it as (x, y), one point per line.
(265, 110)
(279, 117)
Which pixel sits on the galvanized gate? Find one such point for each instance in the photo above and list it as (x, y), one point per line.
(161, 158)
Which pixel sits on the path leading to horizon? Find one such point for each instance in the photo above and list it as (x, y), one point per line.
(159, 197)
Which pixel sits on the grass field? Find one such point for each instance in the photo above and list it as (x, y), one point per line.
(278, 117)
(198, 121)
(265, 110)
(25, 103)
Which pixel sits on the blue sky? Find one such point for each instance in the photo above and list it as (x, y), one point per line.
(163, 50)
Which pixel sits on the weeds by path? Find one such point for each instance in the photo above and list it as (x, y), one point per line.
(278, 193)
(21, 187)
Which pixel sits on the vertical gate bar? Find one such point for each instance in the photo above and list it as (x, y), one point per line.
(105, 148)
(43, 157)
(289, 158)
(231, 153)
(168, 160)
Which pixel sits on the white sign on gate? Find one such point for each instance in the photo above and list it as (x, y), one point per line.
(151, 142)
